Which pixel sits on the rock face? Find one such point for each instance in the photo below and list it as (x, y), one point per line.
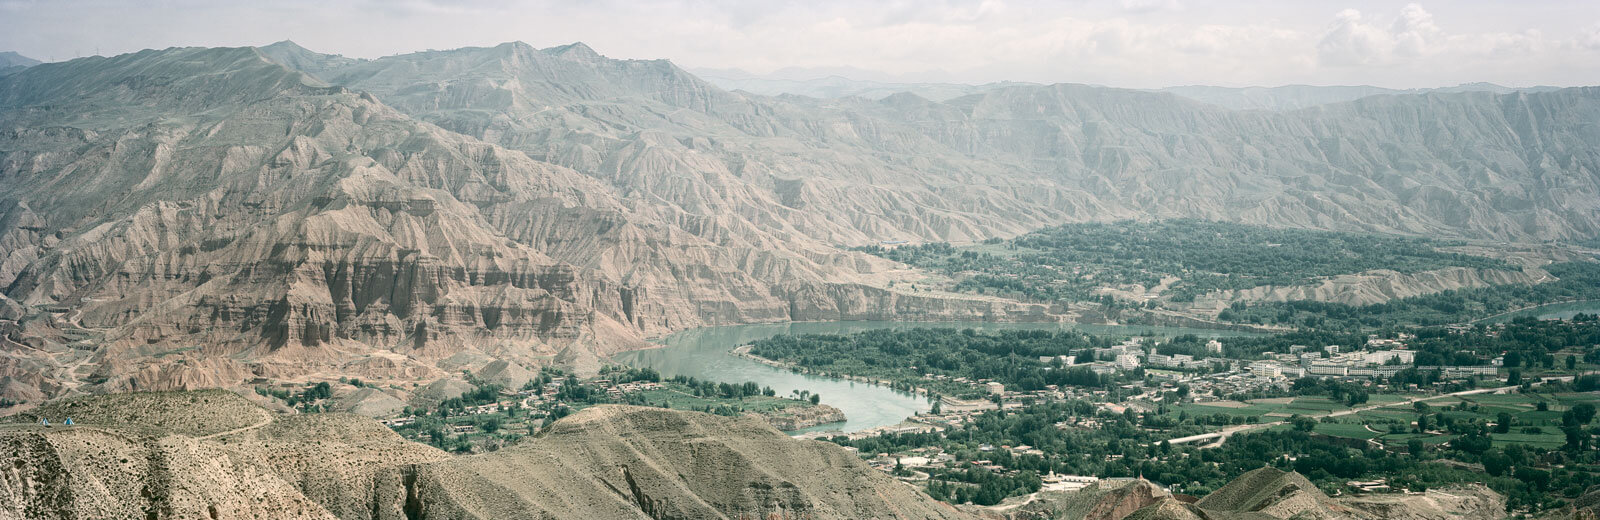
(197, 217)
(603, 462)
(1273, 493)
(1106, 500)
(203, 217)
(1377, 286)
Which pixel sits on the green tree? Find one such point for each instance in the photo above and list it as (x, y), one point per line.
(1583, 412)
(1502, 423)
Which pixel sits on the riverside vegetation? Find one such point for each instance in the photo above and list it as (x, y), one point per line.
(490, 416)
(1414, 430)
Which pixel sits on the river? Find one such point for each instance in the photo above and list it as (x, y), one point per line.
(706, 354)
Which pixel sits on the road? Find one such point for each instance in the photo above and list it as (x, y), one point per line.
(1222, 436)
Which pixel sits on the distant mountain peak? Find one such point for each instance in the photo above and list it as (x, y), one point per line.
(285, 44)
(574, 50)
(12, 59)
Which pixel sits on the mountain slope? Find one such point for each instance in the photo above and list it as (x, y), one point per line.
(603, 462)
(1262, 494)
(192, 217)
(1516, 165)
(1293, 97)
(12, 63)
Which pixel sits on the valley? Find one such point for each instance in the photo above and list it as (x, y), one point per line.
(214, 215)
(521, 282)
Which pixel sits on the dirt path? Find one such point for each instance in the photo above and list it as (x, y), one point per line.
(265, 420)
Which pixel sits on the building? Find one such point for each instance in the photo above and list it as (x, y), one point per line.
(1214, 347)
(1054, 482)
(995, 388)
(1326, 368)
(1266, 369)
(1127, 362)
(1382, 357)
(1460, 372)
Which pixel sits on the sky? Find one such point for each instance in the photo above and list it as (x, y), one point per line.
(1122, 43)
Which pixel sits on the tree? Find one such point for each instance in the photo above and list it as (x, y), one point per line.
(1472, 442)
(1304, 424)
(1502, 423)
(1513, 377)
(1495, 462)
(816, 399)
(1572, 362)
(1583, 412)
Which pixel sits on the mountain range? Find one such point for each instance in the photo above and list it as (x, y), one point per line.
(826, 84)
(194, 217)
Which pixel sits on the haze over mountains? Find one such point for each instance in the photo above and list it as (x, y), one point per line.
(825, 84)
(194, 217)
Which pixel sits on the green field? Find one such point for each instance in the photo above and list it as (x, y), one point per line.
(1351, 430)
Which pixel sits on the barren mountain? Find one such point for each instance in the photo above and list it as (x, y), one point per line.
(199, 217)
(195, 217)
(1293, 97)
(603, 462)
(12, 63)
(1262, 494)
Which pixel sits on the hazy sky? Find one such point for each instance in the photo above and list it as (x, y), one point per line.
(1128, 43)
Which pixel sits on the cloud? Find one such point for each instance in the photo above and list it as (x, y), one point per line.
(1149, 6)
(1590, 38)
(1353, 39)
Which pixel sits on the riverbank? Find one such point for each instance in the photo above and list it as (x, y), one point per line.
(744, 352)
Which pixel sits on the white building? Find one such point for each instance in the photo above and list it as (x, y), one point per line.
(1382, 357)
(1266, 369)
(1127, 362)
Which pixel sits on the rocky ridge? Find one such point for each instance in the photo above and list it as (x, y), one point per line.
(605, 462)
(1264, 493)
(189, 218)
